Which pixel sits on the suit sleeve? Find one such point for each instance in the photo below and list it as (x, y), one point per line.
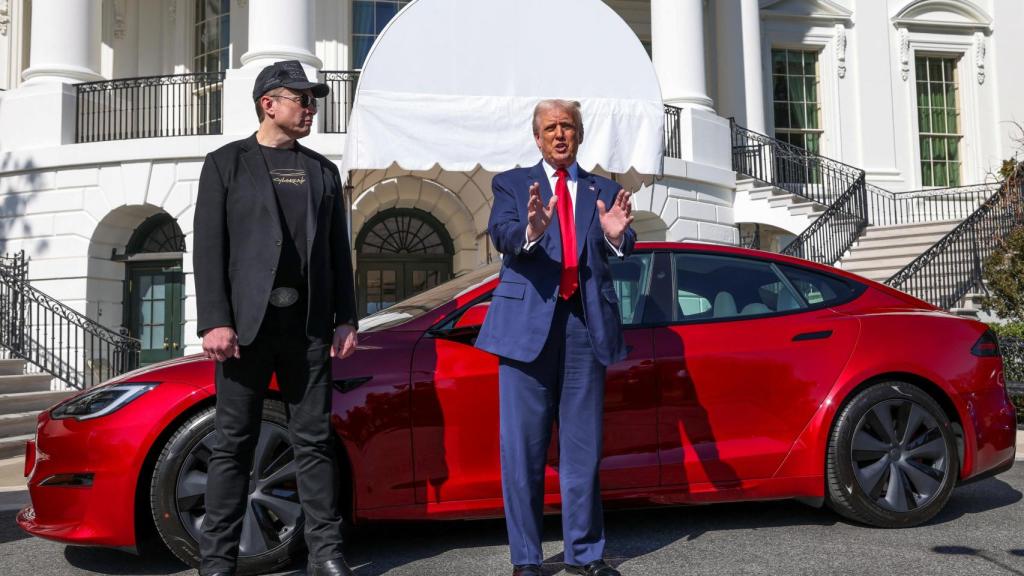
(341, 263)
(211, 249)
(508, 233)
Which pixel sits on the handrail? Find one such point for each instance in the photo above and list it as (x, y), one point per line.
(928, 205)
(835, 230)
(58, 339)
(835, 184)
(791, 168)
(337, 108)
(949, 269)
(673, 137)
(149, 107)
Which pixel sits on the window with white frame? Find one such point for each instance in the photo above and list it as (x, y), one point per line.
(212, 38)
(369, 17)
(938, 120)
(795, 90)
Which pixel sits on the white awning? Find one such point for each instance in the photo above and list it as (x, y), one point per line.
(454, 82)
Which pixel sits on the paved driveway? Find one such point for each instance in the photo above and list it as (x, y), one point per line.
(980, 532)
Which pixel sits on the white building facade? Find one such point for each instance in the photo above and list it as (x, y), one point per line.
(109, 107)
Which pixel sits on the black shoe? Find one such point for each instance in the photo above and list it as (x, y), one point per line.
(334, 567)
(595, 568)
(526, 570)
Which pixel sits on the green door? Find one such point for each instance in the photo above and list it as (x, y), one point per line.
(154, 316)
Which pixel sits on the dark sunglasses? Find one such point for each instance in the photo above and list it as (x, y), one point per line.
(304, 100)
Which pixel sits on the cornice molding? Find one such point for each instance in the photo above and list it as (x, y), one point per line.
(920, 14)
(823, 11)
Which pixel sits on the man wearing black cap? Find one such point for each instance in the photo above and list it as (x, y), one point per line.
(275, 296)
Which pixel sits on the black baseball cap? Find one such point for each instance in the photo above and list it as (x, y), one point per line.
(286, 74)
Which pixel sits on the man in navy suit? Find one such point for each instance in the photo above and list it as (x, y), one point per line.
(554, 323)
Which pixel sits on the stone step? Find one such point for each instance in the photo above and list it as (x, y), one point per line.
(904, 230)
(10, 384)
(12, 446)
(910, 251)
(806, 208)
(31, 401)
(18, 424)
(884, 262)
(12, 366)
(923, 240)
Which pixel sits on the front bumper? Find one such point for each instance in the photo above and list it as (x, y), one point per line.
(113, 449)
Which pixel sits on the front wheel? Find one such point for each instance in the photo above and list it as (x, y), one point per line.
(272, 526)
(892, 459)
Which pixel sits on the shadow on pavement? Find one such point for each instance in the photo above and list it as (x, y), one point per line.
(976, 498)
(108, 561)
(982, 554)
(9, 530)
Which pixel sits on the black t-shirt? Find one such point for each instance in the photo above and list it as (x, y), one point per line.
(291, 185)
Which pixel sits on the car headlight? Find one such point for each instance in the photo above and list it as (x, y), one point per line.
(101, 401)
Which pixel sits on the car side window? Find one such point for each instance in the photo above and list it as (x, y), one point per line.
(715, 287)
(818, 289)
(631, 277)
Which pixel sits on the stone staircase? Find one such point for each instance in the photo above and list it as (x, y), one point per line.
(22, 397)
(884, 250)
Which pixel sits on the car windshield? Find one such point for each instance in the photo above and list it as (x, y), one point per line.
(420, 304)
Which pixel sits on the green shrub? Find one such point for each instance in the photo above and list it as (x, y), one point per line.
(1004, 272)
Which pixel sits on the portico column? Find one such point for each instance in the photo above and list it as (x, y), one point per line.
(65, 44)
(753, 71)
(677, 46)
(738, 51)
(281, 30)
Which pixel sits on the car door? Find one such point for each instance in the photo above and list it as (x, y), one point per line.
(455, 405)
(743, 359)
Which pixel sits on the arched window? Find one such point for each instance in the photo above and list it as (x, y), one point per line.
(159, 233)
(401, 252)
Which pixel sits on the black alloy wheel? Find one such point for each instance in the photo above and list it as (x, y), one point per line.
(272, 526)
(892, 458)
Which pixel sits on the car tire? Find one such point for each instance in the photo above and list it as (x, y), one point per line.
(881, 473)
(272, 535)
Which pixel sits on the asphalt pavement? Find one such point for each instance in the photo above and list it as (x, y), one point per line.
(980, 532)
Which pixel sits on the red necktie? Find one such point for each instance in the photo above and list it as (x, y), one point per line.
(570, 276)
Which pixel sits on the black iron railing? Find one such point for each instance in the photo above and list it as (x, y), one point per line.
(337, 107)
(932, 205)
(791, 168)
(839, 186)
(836, 229)
(751, 238)
(56, 338)
(947, 271)
(149, 107)
(673, 139)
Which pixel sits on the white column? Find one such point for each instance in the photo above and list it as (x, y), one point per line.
(753, 76)
(738, 51)
(65, 44)
(281, 30)
(677, 46)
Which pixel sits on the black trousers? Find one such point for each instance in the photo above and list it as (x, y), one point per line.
(303, 373)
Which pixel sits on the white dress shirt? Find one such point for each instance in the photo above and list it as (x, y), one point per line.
(570, 182)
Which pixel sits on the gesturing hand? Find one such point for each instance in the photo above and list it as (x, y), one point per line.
(538, 215)
(616, 220)
(221, 343)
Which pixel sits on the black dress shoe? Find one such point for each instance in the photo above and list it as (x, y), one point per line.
(334, 567)
(595, 568)
(526, 570)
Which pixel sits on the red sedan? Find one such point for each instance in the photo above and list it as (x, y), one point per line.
(750, 376)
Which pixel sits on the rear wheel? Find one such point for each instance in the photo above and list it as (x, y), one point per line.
(892, 459)
(272, 526)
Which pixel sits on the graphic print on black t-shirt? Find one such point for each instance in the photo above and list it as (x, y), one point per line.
(291, 186)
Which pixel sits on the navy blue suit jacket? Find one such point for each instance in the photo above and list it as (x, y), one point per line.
(523, 304)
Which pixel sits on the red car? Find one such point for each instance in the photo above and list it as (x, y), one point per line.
(750, 376)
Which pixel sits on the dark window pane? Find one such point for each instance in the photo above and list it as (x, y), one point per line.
(779, 89)
(796, 89)
(778, 62)
(781, 116)
(361, 47)
(384, 12)
(796, 64)
(362, 17)
(797, 115)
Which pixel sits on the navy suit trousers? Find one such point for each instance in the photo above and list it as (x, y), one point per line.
(566, 382)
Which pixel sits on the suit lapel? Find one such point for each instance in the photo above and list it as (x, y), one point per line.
(316, 193)
(586, 207)
(256, 166)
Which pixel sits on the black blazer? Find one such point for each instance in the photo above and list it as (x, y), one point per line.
(238, 243)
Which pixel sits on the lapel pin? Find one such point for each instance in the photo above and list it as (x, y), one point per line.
(592, 188)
